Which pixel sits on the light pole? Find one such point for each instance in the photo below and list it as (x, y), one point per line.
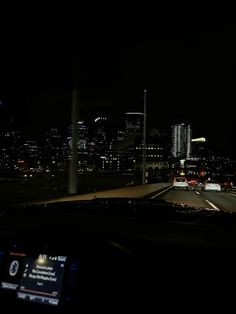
(73, 178)
(144, 135)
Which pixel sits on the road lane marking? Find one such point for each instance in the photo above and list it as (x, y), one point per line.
(215, 207)
(161, 192)
(232, 194)
(197, 192)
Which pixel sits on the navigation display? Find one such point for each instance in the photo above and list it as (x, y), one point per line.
(41, 279)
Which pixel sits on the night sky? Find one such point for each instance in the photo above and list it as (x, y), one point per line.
(187, 65)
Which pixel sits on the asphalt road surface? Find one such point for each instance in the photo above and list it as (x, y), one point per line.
(224, 200)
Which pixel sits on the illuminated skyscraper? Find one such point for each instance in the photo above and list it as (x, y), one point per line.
(53, 156)
(82, 145)
(133, 122)
(181, 140)
(100, 132)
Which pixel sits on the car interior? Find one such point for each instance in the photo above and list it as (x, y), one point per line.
(112, 260)
(121, 254)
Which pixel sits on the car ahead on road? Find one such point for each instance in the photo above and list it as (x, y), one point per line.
(193, 182)
(180, 183)
(211, 185)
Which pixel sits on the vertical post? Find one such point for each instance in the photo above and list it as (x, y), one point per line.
(144, 135)
(73, 178)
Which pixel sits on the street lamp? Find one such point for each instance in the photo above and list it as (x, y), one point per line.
(73, 178)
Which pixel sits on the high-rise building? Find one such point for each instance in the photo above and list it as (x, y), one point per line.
(53, 157)
(83, 137)
(181, 140)
(100, 142)
(100, 135)
(82, 145)
(11, 148)
(133, 130)
(199, 147)
(32, 154)
(133, 122)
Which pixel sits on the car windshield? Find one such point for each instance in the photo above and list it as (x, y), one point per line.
(117, 159)
(121, 112)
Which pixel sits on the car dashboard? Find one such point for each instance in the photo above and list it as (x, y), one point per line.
(56, 261)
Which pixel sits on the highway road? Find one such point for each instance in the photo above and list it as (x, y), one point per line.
(224, 200)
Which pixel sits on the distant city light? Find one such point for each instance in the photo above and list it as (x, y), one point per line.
(100, 118)
(101, 150)
(135, 113)
(199, 139)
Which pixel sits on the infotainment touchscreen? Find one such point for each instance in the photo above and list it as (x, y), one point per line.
(41, 279)
(35, 278)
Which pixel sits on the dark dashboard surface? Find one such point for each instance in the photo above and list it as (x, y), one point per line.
(115, 259)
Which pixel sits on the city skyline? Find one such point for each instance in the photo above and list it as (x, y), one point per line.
(188, 70)
(100, 152)
(116, 123)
